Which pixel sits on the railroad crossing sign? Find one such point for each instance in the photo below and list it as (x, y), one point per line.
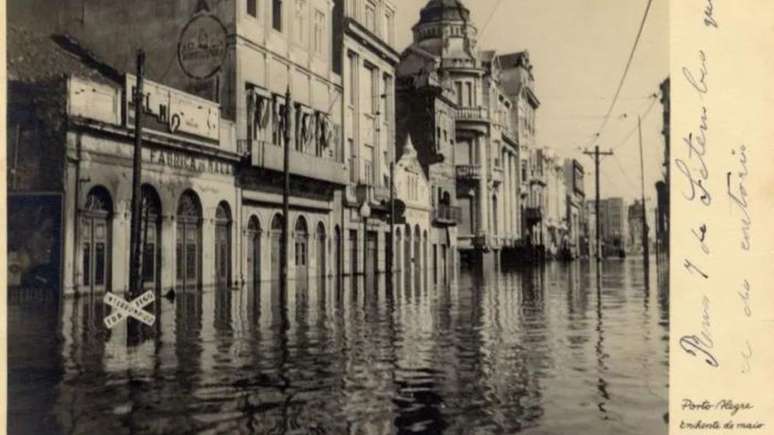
(123, 309)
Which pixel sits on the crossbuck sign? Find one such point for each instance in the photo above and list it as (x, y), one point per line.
(123, 309)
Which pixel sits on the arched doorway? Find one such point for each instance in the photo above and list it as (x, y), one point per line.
(254, 253)
(417, 259)
(337, 268)
(320, 251)
(223, 245)
(96, 226)
(407, 258)
(151, 237)
(189, 236)
(276, 248)
(302, 251)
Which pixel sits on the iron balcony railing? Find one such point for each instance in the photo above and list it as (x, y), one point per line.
(473, 114)
(468, 171)
(447, 214)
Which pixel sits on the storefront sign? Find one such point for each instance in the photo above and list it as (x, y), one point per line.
(172, 111)
(180, 160)
(201, 50)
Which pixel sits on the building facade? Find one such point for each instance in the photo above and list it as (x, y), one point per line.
(76, 141)
(576, 210)
(471, 113)
(415, 264)
(612, 215)
(364, 40)
(249, 60)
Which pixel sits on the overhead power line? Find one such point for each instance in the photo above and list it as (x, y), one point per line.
(626, 70)
(634, 130)
(488, 20)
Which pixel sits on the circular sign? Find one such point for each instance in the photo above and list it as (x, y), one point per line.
(202, 47)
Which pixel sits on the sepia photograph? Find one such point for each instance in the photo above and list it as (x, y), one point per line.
(338, 217)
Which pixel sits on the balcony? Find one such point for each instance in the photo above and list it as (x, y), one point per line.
(497, 174)
(447, 215)
(381, 193)
(473, 114)
(510, 136)
(469, 172)
(269, 156)
(533, 215)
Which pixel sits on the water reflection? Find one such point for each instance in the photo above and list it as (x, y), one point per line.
(550, 350)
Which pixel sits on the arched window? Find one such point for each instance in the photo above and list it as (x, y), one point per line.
(254, 253)
(302, 253)
(95, 239)
(151, 237)
(223, 244)
(320, 251)
(189, 229)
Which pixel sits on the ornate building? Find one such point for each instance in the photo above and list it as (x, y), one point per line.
(474, 130)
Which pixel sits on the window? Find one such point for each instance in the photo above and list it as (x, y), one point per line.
(276, 15)
(370, 16)
(319, 32)
(300, 24)
(387, 91)
(458, 88)
(352, 78)
(368, 94)
(252, 8)
(469, 89)
(389, 22)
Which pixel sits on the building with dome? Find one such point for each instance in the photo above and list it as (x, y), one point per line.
(481, 109)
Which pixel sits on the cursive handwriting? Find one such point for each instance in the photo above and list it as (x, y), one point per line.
(703, 343)
(709, 18)
(744, 295)
(697, 149)
(701, 235)
(739, 197)
(698, 82)
(688, 264)
(746, 357)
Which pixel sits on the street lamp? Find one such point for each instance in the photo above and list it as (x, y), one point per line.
(365, 213)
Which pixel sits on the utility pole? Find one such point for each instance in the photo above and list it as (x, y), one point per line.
(285, 199)
(597, 154)
(134, 327)
(645, 247)
(135, 258)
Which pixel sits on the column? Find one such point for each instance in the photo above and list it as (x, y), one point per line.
(168, 251)
(483, 192)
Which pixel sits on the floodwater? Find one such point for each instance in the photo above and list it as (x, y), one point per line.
(539, 351)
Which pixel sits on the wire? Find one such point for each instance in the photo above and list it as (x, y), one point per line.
(626, 71)
(488, 20)
(623, 171)
(634, 130)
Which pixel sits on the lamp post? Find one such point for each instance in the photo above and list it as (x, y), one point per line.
(365, 213)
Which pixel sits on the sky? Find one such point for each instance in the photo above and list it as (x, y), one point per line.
(578, 49)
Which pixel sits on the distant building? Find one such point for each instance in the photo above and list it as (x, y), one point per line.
(576, 209)
(634, 217)
(612, 216)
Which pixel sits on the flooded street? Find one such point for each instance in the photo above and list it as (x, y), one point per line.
(540, 351)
